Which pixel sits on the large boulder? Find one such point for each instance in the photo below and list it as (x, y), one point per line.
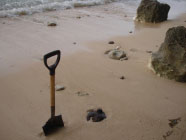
(152, 11)
(170, 60)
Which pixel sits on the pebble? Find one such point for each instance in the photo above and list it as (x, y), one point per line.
(59, 87)
(130, 32)
(79, 93)
(116, 54)
(149, 51)
(111, 42)
(52, 24)
(78, 17)
(96, 115)
(74, 43)
(122, 77)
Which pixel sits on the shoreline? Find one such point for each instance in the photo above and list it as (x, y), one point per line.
(137, 107)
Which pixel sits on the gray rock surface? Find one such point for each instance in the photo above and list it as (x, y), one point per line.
(152, 11)
(116, 54)
(170, 60)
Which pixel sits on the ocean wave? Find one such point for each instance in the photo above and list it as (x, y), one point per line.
(31, 7)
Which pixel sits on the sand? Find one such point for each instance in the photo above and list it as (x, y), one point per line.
(137, 108)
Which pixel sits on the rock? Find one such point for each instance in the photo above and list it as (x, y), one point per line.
(111, 42)
(125, 58)
(79, 93)
(78, 17)
(96, 115)
(122, 77)
(148, 51)
(174, 122)
(59, 88)
(74, 43)
(170, 60)
(130, 32)
(152, 11)
(116, 54)
(52, 24)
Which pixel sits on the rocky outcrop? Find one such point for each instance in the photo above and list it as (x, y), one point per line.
(152, 11)
(170, 60)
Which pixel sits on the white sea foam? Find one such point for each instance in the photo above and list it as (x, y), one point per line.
(35, 6)
(10, 8)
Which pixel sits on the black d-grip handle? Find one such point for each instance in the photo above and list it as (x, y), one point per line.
(52, 67)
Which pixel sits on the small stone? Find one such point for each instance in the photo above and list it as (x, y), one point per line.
(122, 77)
(74, 43)
(96, 115)
(148, 51)
(3, 22)
(111, 42)
(79, 93)
(78, 17)
(185, 21)
(130, 32)
(59, 87)
(125, 16)
(116, 54)
(52, 24)
(174, 122)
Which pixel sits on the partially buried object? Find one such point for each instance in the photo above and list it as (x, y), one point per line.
(54, 122)
(96, 115)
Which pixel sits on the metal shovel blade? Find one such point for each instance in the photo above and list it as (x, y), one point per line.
(53, 124)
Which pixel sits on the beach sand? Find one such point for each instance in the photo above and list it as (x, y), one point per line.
(137, 108)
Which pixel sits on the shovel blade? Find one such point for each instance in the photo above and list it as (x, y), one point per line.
(53, 124)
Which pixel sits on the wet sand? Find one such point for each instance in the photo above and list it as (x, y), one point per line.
(137, 108)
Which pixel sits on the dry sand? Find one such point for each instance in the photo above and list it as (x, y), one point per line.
(137, 108)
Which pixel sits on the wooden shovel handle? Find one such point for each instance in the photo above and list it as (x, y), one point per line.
(52, 95)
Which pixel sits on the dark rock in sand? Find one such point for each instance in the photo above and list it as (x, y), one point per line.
(152, 11)
(52, 24)
(170, 60)
(116, 54)
(148, 51)
(122, 77)
(96, 115)
(174, 122)
(111, 42)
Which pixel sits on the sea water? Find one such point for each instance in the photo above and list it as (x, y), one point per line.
(10, 8)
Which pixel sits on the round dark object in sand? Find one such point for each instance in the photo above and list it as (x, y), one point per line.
(122, 77)
(111, 42)
(52, 24)
(96, 116)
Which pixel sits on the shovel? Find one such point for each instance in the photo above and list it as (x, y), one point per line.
(54, 122)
